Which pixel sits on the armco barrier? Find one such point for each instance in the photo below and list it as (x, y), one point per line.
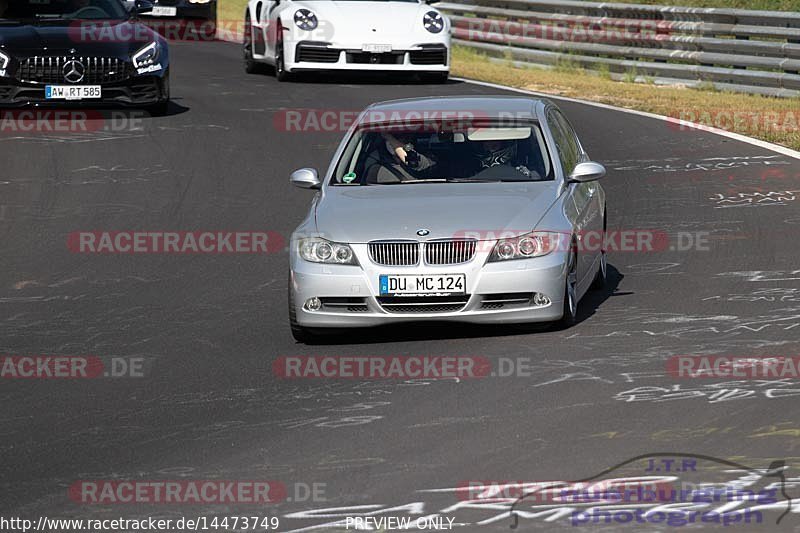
(733, 49)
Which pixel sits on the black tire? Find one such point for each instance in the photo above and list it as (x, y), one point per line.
(601, 278)
(160, 109)
(280, 67)
(251, 66)
(300, 334)
(570, 306)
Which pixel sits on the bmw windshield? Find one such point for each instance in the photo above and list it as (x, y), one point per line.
(60, 10)
(468, 152)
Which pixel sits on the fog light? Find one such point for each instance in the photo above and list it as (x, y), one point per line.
(313, 304)
(540, 299)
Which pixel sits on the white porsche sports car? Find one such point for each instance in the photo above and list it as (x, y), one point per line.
(383, 35)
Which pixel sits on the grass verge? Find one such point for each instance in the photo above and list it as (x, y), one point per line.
(231, 11)
(776, 120)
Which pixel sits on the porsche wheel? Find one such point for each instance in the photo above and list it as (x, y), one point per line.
(280, 67)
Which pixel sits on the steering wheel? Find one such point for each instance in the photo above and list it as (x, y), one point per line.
(82, 12)
(505, 171)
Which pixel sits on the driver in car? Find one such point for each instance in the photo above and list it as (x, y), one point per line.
(494, 153)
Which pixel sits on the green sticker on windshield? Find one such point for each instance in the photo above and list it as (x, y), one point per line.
(349, 177)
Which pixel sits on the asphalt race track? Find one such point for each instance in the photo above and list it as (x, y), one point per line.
(208, 328)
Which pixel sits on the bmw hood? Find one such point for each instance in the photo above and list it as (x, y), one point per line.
(107, 38)
(341, 20)
(361, 214)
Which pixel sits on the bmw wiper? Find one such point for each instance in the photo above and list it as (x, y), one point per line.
(472, 180)
(433, 180)
(492, 180)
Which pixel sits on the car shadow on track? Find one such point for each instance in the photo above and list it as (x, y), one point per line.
(366, 78)
(173, 109)
(425, 331)
(73, 116)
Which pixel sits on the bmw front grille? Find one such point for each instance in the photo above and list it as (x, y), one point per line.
(50, 69)
(406, 253)
(394, 253)
(449, 252)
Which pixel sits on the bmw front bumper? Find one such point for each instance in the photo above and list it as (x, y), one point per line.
(496, 293)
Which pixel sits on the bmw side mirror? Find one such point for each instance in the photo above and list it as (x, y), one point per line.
(142, 7)
(588, 171)
(305, 178)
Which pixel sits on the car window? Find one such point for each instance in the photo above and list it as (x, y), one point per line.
(566, 142)
(390, 154)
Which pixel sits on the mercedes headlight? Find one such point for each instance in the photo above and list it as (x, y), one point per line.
(146, 56)
(319, 250)
(433, 21)
(305, 19)
(5, 59)
(534, 244)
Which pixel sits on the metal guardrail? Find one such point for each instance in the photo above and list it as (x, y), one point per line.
(733, 49)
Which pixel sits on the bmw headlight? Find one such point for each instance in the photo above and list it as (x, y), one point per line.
(5, 59)
(146, 56)
(534, 244)
(319, 250)
(433, 21)
(305, 19)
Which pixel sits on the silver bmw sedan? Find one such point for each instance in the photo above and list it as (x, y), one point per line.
(468, 209)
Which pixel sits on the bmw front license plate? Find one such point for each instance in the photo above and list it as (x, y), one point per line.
(376, 48)
(162, 11)
(412, 285)
(72, 92)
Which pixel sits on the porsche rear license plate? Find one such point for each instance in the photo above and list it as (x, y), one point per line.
(418, 285)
